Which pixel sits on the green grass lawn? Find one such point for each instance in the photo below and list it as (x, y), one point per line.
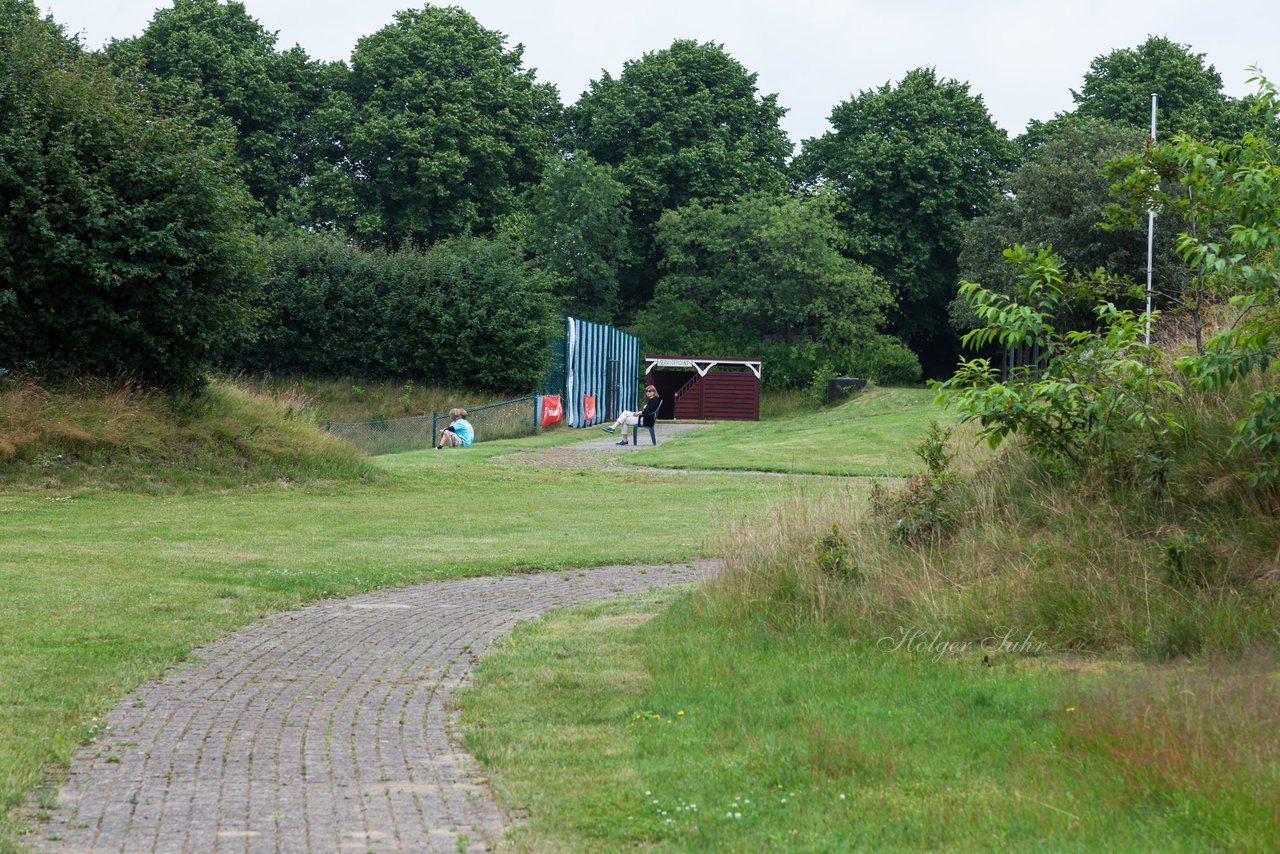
(872, 435)
(796, 742)
(641, 725)
(100, 591)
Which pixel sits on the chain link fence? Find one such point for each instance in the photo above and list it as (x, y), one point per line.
(509, 419)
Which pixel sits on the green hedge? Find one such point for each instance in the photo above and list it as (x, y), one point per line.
(467, 311)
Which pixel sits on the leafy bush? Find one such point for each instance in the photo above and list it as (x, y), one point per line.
(1081, 563)
(123, 243)
(921, 510)
(1230, 188)
(1092, 396)
(833, 556)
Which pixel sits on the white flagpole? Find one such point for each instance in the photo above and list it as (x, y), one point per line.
(1151, 220)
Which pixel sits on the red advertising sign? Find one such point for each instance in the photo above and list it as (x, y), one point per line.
(589, 407)
(551, 409)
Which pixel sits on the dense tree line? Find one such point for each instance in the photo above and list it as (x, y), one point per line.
(431, 196)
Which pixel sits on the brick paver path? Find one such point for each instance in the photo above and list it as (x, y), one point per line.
(318, 730)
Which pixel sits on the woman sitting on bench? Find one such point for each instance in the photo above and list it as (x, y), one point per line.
(643, 417)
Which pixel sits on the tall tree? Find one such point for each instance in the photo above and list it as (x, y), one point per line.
(214, 61)
(1058, 198)
(679, 125)
(763, 269)
(575, 223)
(124, 247)
(19, 15)
(1119, 85)
(912, 164)
(439, 129)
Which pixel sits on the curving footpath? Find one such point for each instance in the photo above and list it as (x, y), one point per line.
(319, 730)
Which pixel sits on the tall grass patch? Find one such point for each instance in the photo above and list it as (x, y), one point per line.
(1200, 742)
(94, 433)
(351, 399)
(999, 544)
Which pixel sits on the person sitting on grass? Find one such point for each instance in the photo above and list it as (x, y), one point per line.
(643, 417)
(459, 433)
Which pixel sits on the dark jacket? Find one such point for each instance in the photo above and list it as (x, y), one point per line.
(650, 411)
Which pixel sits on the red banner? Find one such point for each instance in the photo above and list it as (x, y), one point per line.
(589, 407)
(551, 410)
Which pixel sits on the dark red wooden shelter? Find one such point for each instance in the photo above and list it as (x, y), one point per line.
(705, 388)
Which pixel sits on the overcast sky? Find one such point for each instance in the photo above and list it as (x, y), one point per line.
(1022, 57)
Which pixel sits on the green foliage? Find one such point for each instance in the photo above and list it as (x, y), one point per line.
(18, 16)
(575, 224)
(214, 62)
(465, 312)
(1057, 199)
(808, 365)
(923, 509)
(1230, 189)
(1185, 557)
(679, 125)
(833, 556)
(911, 164)
(123, 244)
(1094, 393)
(495, 316)
(881, 359)
(1086, 561)
(438, 126)
(1119, 84)
(763, 269)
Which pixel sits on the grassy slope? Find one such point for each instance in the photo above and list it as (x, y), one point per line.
(873, 435)
(617, 733)
(102, 590)
(96, 435)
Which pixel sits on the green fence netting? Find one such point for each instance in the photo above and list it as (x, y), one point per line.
(509, 419)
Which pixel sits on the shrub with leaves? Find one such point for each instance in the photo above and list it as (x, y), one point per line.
(834, 557)
(921, 511)
(1231, 189)
(1095, 398)
(124, 243)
